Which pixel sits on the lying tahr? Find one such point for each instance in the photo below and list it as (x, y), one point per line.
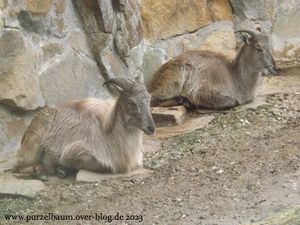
(204, 79)
(92, 134)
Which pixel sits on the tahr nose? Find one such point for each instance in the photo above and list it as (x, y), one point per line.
(151, 129)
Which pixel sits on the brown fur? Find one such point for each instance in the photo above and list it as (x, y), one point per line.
(211, 80)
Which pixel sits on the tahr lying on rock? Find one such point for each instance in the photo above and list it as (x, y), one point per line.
(210, 80)
(92, 134)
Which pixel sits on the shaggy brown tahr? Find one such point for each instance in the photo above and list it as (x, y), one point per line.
(210, 80)
(92, 134)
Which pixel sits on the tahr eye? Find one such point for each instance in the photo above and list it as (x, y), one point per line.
(259, 49)
(131, 103)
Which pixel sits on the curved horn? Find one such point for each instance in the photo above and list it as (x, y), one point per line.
(252, 33)
(121, 82)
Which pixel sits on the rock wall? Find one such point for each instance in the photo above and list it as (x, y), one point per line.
(52, 51)
(279, 18)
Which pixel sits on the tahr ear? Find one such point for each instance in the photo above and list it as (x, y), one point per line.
(246, 38)
(118, 89)
(247, 35)
(139, 79)
(122, 85)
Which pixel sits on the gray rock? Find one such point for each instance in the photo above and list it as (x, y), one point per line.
(31, 25)
(152, 60)
(286, 18)
(221, 41)
(78, 42)
(190, 124)
(113, 64)
(12, 186)
(253, 14)
(286, 31)
(106, 13)
(98, 27)
(97, 16)
(71, 76)
(129, 31)
(19, 79)
(168, 116)
(50, 51)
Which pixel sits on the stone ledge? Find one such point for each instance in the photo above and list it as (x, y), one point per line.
(16, 187)
(168, 116)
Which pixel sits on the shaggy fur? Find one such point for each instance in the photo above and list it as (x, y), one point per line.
(210, 80)
(93, 134)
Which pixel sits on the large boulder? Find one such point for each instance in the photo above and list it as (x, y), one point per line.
(278, 18)
(253, 14)
(18, 76)
(71, 76)
(164, 19)
(286, 31)
(221, 41)
(152, 60)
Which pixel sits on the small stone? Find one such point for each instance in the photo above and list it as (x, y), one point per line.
(178, 199)
(220, 171)
(166, 116)
(214, 168)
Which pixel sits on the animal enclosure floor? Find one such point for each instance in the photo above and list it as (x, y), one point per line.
(241, 168)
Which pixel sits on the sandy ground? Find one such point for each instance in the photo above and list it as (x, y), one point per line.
(243, 168)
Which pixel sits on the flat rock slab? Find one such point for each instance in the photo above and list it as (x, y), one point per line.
(90, 176)
(190, 124)
(167, 116)
(15, 187)
(153, 143)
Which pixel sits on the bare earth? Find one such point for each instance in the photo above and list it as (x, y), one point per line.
(243, 168)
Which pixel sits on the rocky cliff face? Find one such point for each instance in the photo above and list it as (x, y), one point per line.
(52, 51)
(278, 18)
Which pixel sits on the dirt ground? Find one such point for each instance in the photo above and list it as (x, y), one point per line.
(243, 168)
